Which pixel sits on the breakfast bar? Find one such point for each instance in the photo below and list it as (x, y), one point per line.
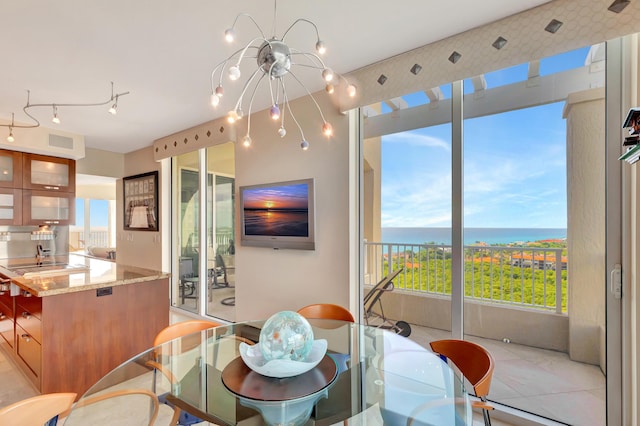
(67, 321)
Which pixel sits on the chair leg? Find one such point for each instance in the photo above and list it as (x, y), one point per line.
(487, 419)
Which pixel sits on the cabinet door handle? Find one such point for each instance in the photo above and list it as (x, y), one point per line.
(2, 317)
(51, 222)
(26, 315)
(51, 187)
(25, 293)
(26, 337)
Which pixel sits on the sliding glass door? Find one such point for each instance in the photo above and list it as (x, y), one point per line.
(491, 201)
(204, 218)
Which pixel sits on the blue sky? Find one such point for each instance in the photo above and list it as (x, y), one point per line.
(99, 212)
(514, 164)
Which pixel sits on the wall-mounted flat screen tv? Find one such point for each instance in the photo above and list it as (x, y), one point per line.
(278, 215)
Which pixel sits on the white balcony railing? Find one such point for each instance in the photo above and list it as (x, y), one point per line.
(529, 277)
(98, 238)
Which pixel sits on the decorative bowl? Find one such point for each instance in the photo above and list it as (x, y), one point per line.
(281, 368)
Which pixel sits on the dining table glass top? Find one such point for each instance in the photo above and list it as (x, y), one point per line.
(368, 375)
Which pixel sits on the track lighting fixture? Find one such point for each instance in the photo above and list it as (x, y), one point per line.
(113, 100)
(114, 107)
(55, 118)
(275, 60)
(10, 138)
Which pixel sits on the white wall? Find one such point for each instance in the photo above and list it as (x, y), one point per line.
(270, 280)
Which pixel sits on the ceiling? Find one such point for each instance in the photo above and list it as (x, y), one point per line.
(163, 52)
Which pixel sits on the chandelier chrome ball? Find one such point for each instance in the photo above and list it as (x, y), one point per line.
(276, 61)
(274, 58)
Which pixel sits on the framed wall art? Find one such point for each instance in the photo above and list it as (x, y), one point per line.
(141, 202)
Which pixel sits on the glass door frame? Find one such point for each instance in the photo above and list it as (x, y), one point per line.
(619, 56)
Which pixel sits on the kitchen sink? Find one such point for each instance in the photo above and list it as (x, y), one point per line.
(52, 268)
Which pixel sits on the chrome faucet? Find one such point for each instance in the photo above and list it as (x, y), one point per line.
(42, 253)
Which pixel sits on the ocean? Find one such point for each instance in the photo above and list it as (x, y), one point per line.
(471, 235)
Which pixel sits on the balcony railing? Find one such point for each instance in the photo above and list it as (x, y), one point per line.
(98, 238)
(529, 277)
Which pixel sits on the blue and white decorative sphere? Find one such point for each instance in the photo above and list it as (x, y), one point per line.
(286, 335)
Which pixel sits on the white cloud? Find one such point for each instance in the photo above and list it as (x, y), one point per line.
(417, 139)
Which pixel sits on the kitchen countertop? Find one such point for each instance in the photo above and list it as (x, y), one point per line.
(98, 274)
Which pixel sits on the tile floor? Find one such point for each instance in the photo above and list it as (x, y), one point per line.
(541, 381)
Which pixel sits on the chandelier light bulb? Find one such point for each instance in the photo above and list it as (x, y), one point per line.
(234, 72)
(327, 130)
(274, 112)
(351, 90)
(274, 60)
(10, 138)
(246, 141)
(229, 35)
(327, 74)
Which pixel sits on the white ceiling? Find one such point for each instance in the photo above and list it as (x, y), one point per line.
(163, 52)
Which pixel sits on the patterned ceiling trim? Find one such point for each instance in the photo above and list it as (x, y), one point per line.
(584, 23)
(208, 134)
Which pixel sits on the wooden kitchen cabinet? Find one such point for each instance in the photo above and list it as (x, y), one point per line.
(67, 342)
(46, 173)
(10, 169)
(48, 208)
(7, 318)
(10, 206)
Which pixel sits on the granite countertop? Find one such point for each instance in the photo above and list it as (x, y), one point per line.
(88, 273)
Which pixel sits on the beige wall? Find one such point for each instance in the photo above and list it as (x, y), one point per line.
(269, 280)
(139, 248)
(584, 112)
(98, 162)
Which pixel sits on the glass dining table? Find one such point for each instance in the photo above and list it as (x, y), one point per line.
(368, 376)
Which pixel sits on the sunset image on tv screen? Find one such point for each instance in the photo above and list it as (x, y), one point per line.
(281, 210)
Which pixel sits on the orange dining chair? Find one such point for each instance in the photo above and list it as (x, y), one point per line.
(168, 334)
(335, 312)
(39, 410)
(475, 363)
(326, 311)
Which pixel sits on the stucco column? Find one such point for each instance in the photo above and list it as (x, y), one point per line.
(587, 281)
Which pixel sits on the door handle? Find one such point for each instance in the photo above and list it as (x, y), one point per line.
(615, 281)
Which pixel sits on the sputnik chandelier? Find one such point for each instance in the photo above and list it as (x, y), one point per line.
(275, 60)
(112, 101)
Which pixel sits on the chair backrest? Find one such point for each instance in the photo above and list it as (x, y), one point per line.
(220, 261)
(93, 399)
(326, 311)
(223, 268)
(185, 267)
(37, 410)
(374, 295)
(473, 361)
(184, 328)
